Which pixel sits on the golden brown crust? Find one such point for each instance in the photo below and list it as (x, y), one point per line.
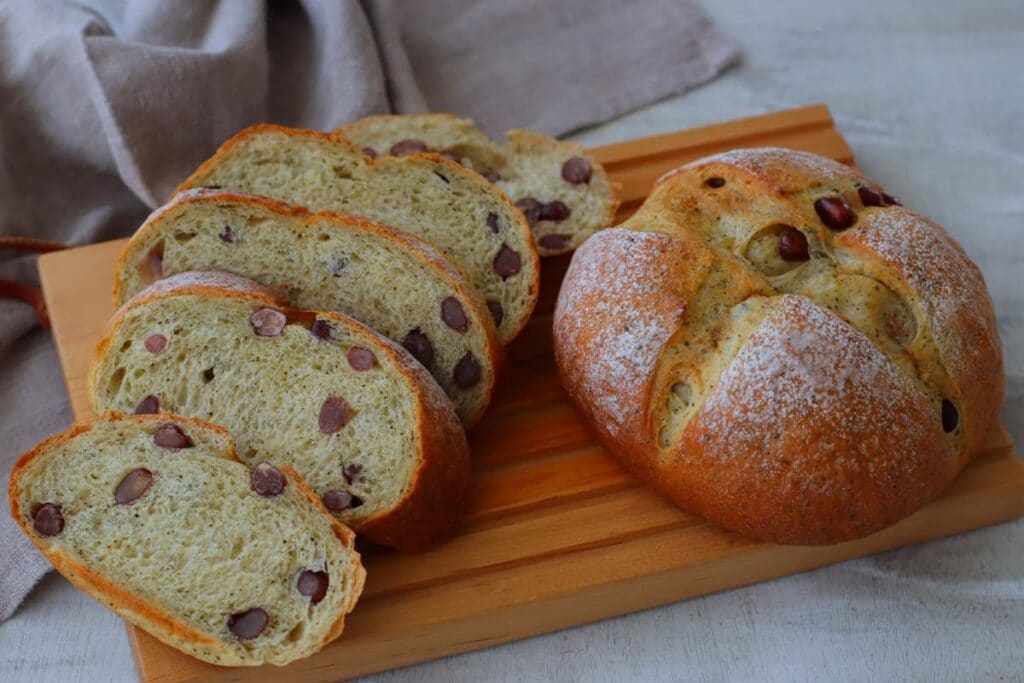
(811, 436)
(188, 197)
(516, 138)
(153, 620)
(204, 169)
(418, 520)
(611, 326)
(529, 253)
(198, 283)
(911, 253)
(809, 430)
(357, 575)
(473, 305)
(377, 118)
(439, 490)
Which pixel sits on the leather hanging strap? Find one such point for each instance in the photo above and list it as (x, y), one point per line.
(9, 289)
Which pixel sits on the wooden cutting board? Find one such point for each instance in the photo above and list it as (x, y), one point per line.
(558, 535)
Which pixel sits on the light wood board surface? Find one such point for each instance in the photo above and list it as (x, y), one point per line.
(558, 534)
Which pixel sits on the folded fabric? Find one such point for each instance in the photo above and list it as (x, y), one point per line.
(100, 120)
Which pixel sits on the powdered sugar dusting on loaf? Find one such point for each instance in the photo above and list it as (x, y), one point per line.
(758, 161)
(949, 285)
(804, 361)
(623, 335)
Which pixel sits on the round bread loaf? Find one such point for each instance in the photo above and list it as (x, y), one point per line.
(776, 344)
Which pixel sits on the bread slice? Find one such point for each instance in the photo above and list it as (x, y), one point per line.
(363, 423)
(154, 516)
(563, 191)
(455, 210)
(389, 280)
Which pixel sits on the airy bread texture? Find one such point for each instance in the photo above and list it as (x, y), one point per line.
(785, 351)
(363, 423)
(196, 547)
(528, 166)
(389, 280)
(451, 208)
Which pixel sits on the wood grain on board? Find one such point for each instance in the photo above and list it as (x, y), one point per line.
(557, 535)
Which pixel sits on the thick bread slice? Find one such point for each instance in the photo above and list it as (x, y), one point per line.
(528, 167)
(178, 541)
(389, 280)
(455, 210)
(363, 423)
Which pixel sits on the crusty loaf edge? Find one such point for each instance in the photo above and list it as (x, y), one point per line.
(438, 493)
(185, 197)
(597, 169)
(690, 475)
(570, 147)
(475, 308)
(137, 611)
(529, 255)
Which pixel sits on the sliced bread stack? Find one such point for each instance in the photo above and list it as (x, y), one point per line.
(155, 517)
(564, 193)
(337, 313)
(469, 221)
(389, 280)
(353, 413)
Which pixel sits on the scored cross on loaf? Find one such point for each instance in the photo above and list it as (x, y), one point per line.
(776, 344)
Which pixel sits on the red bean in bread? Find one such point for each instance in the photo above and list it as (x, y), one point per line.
(492, 222)
(835, 212)
(418, 344)
(48, 520)
(793, 244)
(576, 170)
(531, 208)
(360, 359)
(148, 405)
(337, 500)
(249, 623)
(267, 480)
(507, 262)
(134, 484)
(267, 322)
(155, 343)
(334, 414)
(408, 146)
(555, 211)
(453, 315)
(313, 585)
(467, 371)
(170, 435)
(321, 329)
(870, 196)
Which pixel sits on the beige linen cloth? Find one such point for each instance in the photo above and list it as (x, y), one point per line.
(98, 124)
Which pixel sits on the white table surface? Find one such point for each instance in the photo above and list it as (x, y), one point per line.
(930, 96)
